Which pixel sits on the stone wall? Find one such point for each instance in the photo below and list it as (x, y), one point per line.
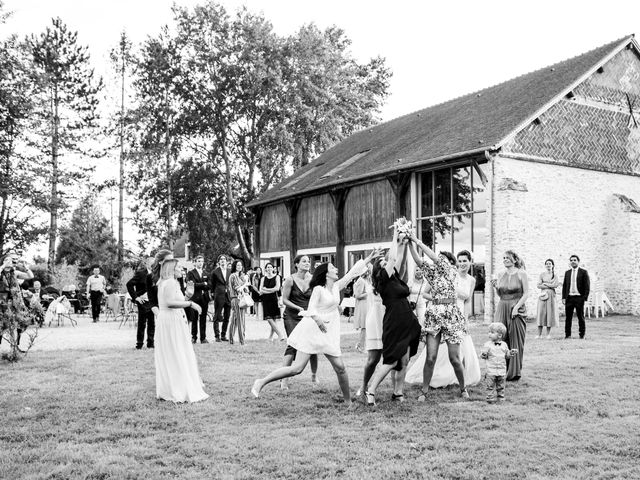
(551, 211)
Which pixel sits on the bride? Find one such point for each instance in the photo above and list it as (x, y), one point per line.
(443, 373)
(177, 376)
(319, 330)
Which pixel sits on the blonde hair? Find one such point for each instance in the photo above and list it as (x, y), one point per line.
(497, 327)
(167, 269)
(518, 262)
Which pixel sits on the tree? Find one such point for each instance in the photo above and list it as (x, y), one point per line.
(121, 58)
(20, 196)
(88, 241)
(257, 103)
(157, 137)
(66, 100)
(332, 95)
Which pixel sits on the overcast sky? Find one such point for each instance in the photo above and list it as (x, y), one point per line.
(437, 50)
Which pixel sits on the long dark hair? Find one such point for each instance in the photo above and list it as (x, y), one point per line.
(319, 277)
(378, 276)
(553, 267)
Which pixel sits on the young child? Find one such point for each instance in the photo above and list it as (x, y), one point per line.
(496, 352)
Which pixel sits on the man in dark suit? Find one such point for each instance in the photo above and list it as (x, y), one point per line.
(201, 297)
(219, 280)
(575, 291)
(138, 291)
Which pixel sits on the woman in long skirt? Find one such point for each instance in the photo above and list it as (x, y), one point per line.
(238, 286)
(177, 375)
(513, 289)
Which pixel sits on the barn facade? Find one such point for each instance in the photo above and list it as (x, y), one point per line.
(546, 164)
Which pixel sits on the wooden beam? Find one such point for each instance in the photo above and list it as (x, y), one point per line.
(293, 205)
(257, 217)
(339, 198)
(400, 183)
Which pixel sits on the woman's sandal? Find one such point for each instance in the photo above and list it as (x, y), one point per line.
(370, 399)
(423, 396)
(397, 398)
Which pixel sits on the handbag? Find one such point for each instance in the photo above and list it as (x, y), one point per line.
(414, 305)
(189, 290)
(245, 301)
(543, 295)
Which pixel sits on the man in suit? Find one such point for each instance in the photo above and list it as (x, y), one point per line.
(96, 288)
(575, 291)
(201, 297)
(137, 288)
(219, 280)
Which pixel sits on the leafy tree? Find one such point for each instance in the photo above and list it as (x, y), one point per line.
(156, 136)
(257, 103)
(20, 197)
(66, 101)
(88, 241)
(333, 95)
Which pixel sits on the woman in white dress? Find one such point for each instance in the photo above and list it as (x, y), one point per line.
(319, 330)
(443, 373)
(177, 375)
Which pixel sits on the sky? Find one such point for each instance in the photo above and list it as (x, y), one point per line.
(437, 50)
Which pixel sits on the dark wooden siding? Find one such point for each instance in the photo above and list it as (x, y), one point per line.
(368, 212)
(316, 222)
(274, 229)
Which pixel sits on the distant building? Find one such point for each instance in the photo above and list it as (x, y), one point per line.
(547, 164)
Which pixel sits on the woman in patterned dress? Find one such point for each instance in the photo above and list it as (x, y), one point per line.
(443, 320)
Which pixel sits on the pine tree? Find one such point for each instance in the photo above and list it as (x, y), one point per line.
(67, 98)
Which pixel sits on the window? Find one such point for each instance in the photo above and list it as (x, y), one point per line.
(452, 216)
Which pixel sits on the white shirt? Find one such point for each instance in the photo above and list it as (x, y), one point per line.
(96, 283)
(573, 289)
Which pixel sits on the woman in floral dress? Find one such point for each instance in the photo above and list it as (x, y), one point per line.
(443, 320)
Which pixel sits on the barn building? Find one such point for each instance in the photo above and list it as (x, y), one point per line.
(546, 164)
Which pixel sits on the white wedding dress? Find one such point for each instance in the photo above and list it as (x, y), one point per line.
(443, 373)
(323, 304)
(177, 375)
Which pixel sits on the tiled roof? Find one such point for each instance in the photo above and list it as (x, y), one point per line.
(471, 123)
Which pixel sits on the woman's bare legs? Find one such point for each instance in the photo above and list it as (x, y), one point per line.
(373, 358)
(343, 378)
(456, 363)
(313, 361)
(432, 346)
(283, 372)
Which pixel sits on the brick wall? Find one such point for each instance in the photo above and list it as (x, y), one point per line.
(552, 211)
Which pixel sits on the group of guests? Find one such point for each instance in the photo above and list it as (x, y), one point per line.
(395, 322)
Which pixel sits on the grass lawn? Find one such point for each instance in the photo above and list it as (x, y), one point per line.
(93, 414)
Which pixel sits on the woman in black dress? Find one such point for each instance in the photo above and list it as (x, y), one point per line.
(295, 296)
(269, 288)
(400, 327)
(255, 292)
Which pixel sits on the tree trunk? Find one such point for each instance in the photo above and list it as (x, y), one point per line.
(121, 186)
(53, 227)
(169, 197)
(232, 204)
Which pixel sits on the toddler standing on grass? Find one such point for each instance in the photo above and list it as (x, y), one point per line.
(496, 352)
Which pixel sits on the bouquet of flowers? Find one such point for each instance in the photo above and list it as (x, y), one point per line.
(403, 226)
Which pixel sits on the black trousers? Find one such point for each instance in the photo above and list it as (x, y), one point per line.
(146, 321)
(574, 302)
(200, 321)
(96, 300)
(222, 309)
